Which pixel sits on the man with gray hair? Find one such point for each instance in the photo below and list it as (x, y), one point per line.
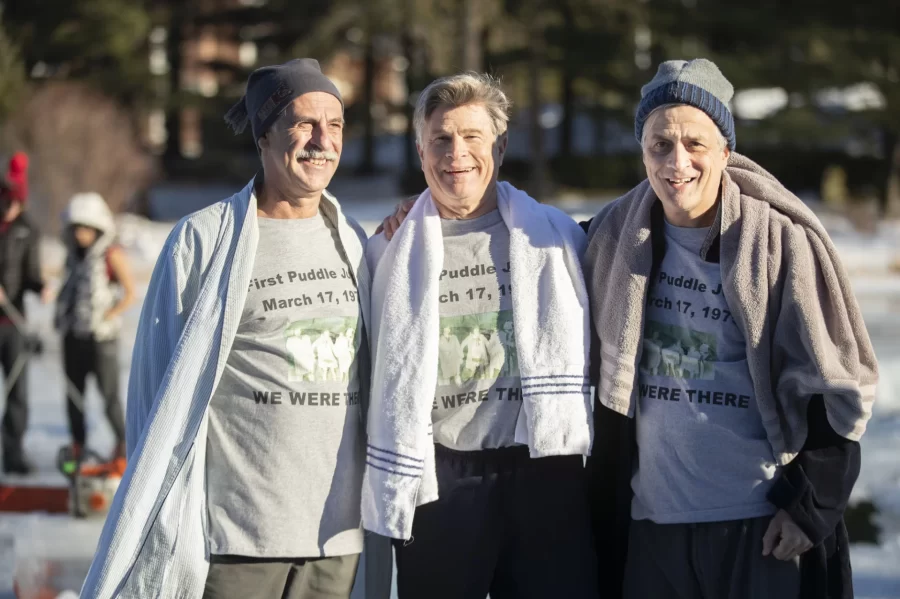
(244, 479)
(479, 477)
(729, 477)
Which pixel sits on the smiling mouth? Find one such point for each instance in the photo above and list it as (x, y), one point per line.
(460, 171)
(679, 183)
(314, 161)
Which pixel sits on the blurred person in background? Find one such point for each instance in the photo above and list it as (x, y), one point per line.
(97, 289)
(241, 482)
(731, 482)
(20, 271)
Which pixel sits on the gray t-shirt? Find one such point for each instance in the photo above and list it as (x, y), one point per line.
(285, 447)
(703, 454)
(478, 394)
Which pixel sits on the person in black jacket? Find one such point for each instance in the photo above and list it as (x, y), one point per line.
(20, 271)
(689, 496)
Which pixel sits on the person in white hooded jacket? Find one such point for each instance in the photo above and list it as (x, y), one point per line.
(97, 289)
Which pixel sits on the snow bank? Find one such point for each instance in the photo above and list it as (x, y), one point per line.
(60, 548)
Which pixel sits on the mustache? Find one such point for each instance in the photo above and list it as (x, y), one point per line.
(316, 155)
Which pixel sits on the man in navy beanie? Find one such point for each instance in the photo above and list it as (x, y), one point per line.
(246, 446)
(734, 375)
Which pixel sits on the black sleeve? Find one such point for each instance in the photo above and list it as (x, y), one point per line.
(609, 470)
(814, 488)
(31, 270)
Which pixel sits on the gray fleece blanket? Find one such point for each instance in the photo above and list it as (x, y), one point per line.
(784, 282)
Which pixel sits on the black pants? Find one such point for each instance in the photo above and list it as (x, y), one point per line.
(709, 560)
(83, 356)
(505, 524)
(15, 418)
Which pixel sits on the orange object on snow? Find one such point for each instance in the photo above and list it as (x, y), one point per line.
(114, 467)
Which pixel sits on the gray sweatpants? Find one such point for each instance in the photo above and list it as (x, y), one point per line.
(714, 560)
(233, 577)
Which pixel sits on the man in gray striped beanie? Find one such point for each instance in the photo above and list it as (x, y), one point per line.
(686, 98)
(734, 373)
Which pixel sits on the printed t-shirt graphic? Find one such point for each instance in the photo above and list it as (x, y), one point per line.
(703, 454)
(478, 395)
(284, 456)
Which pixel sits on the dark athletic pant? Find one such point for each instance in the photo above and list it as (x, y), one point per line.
(83, 356)
(714, 560)
(15, 418)
(505, 524)
(235, 577)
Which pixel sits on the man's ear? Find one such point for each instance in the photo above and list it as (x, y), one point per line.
(502, 142)
(421, 153)
(263, 141)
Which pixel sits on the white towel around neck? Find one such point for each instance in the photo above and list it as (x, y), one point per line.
(550, 317)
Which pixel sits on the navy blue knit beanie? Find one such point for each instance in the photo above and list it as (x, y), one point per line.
(698, 83)
(271, 89)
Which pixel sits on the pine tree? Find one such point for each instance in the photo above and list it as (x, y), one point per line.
(12, 74)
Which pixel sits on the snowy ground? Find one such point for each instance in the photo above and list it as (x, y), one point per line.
(30, 544)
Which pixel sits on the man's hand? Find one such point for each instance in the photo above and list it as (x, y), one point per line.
(47, 294)
(784, 539)
(390, 224)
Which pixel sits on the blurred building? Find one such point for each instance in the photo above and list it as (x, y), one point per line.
(208, 49)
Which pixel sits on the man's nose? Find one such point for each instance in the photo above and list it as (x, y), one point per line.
(679, 157)
(458, 147)
(321, 139)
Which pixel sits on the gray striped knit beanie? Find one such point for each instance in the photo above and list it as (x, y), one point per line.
(698, 83)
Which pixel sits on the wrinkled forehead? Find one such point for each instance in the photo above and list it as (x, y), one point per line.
(314, 105)
(473, 116)
(680, 121)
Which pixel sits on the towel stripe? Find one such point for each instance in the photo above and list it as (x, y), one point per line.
(578, 384)
(368, 463)
(380, 459)
(613, 369)
(582, 392)
(399, 455)
(554, 376)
